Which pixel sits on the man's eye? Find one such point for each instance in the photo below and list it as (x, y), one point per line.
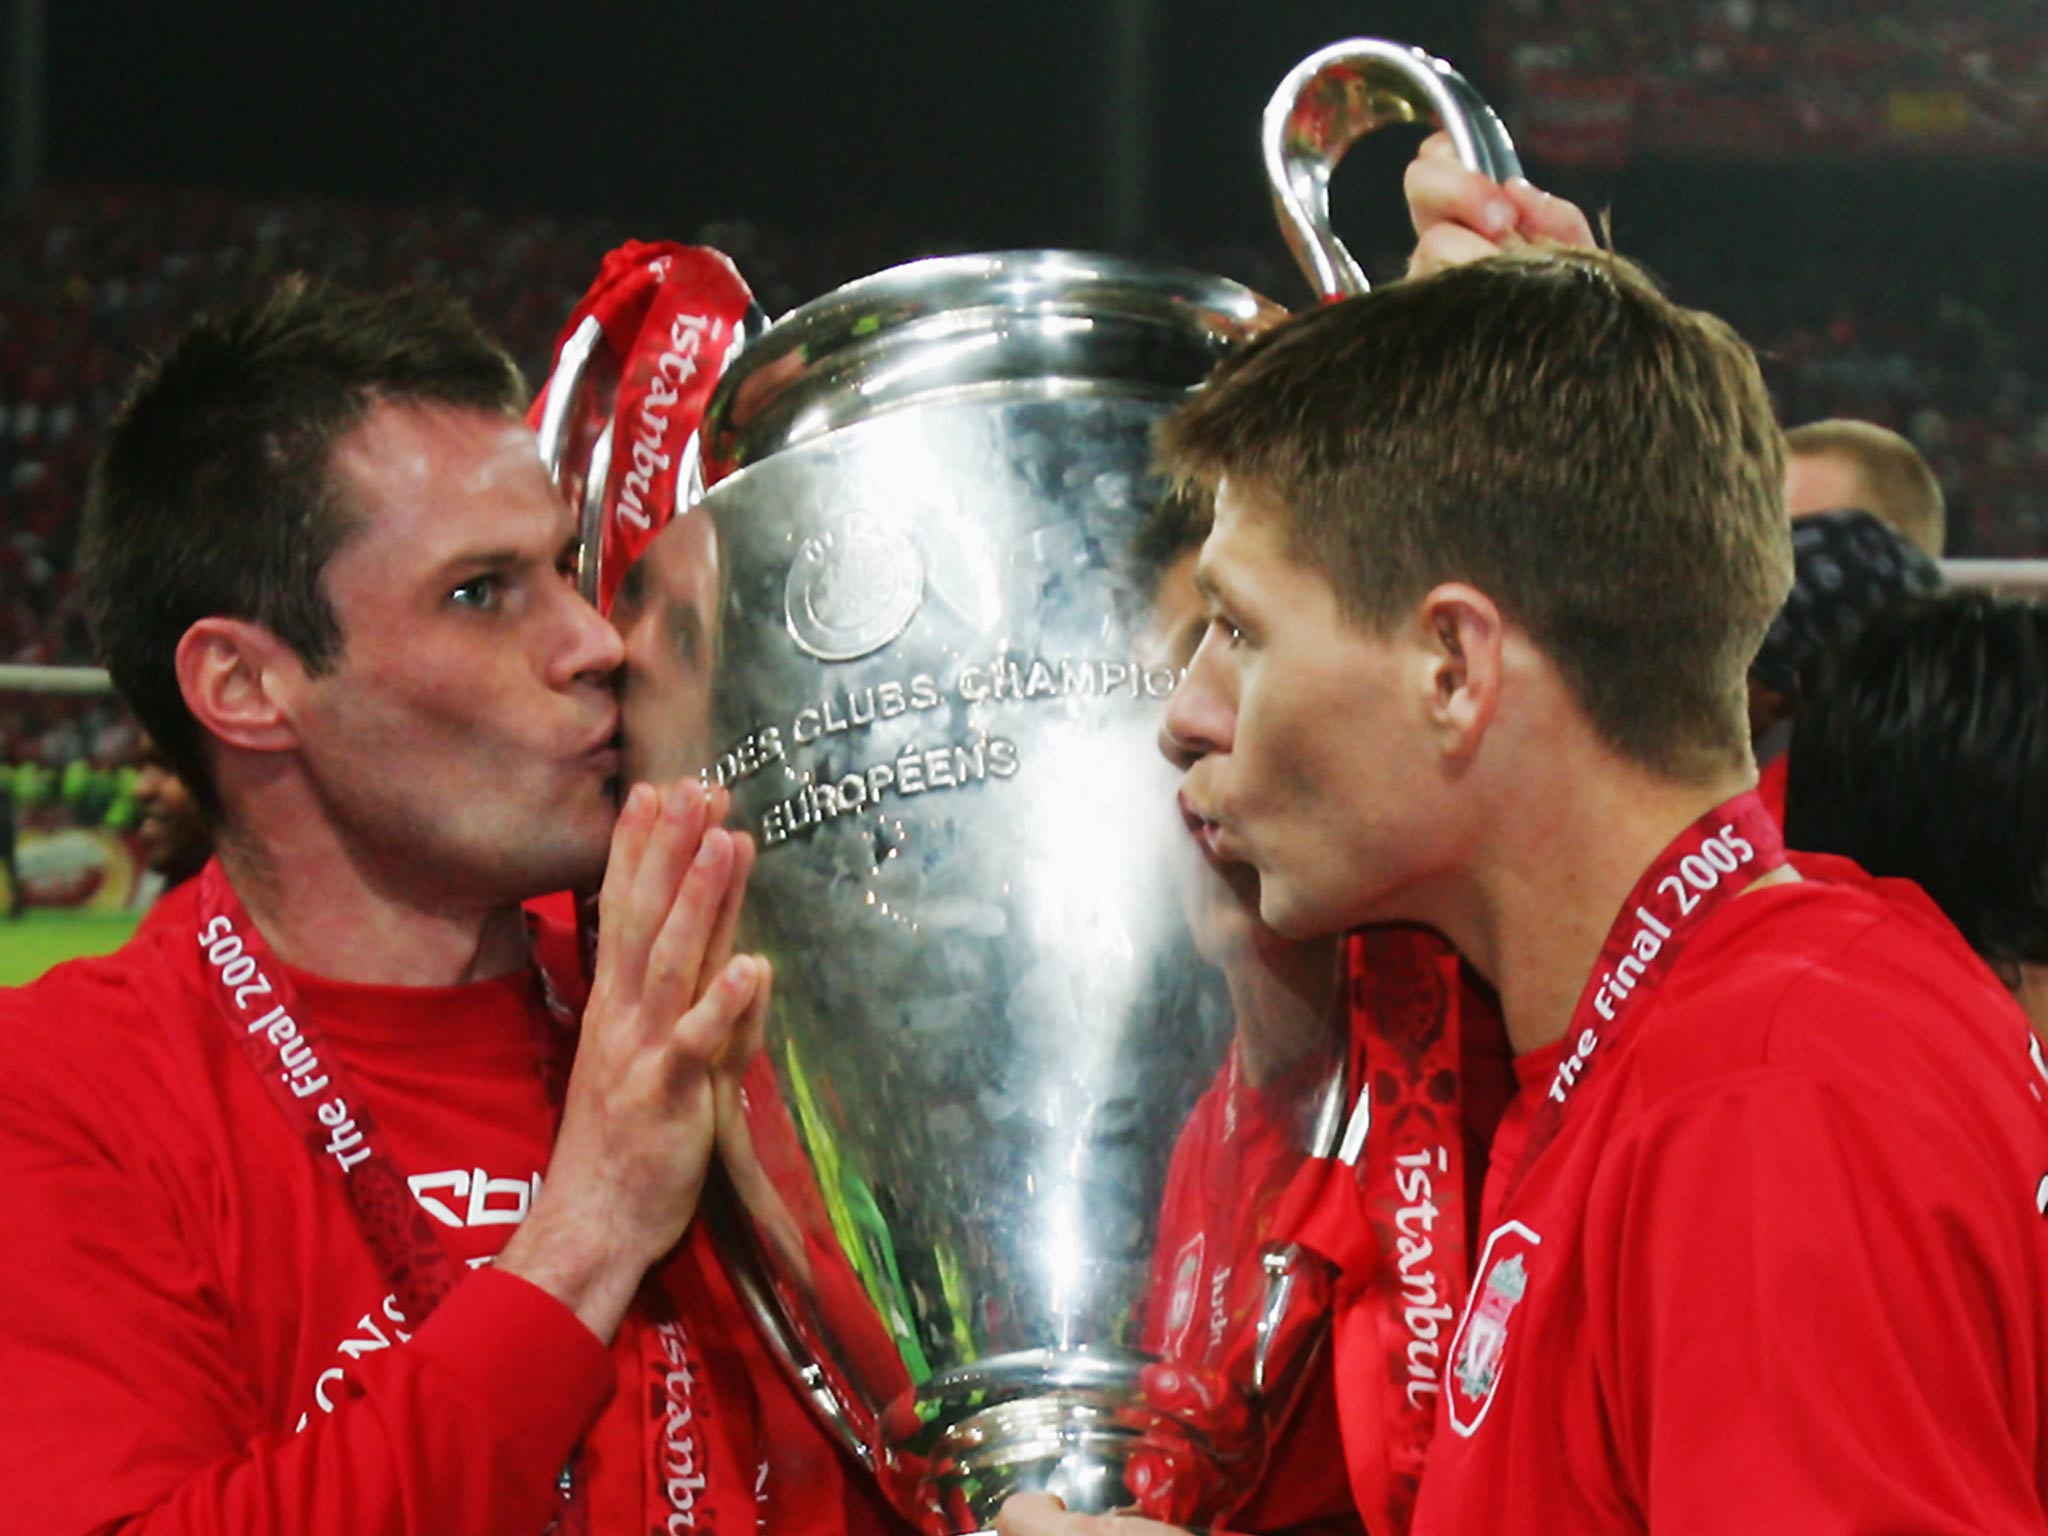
(479, 592)
(1226, 631)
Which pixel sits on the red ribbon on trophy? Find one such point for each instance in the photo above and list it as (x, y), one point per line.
(671, 317)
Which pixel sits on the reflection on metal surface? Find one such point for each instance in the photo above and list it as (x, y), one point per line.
(1335, 96)
(579, 474)
(852, 588)
(1004, 1183)
(1037, 1081)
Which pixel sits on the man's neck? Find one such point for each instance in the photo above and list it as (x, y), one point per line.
(329, 916)
(1288, 1000)
(1543, 899)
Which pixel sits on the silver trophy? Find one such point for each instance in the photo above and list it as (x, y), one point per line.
(1038, 1087)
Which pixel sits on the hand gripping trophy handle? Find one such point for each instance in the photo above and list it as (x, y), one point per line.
(1331, 99)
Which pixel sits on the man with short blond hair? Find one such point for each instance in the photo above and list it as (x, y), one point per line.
(1840, 465)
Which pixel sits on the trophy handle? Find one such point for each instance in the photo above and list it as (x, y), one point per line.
(722, 1207)
(1334, 97)
(582, 483)
(577, 451)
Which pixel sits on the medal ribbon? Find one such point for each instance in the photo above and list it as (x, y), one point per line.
(1393, 1225)
(260, 1008)
(257, 1004)
(687, 1464)
(1707, 865)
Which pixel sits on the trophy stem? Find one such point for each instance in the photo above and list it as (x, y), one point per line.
(1103, 1433)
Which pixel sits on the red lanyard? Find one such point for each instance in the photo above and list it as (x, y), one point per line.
(1393, 1224)
(260, 1008)
(1707, 865)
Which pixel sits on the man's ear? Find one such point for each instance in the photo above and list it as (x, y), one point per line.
(238, 679)
(1462, 636)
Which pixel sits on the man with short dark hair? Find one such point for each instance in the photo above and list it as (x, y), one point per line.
(1926, 757)
(323, 1106)
(1760, 1247)
(1848, 568)
(175, 846)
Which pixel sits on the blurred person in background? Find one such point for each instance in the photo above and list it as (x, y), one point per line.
(175, 845)
(1840, 465)
(1848, 567)
(1925, 756)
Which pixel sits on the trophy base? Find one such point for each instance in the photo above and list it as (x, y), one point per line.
(1104, 1434)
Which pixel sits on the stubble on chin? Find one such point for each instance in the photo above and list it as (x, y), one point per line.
(561, 853)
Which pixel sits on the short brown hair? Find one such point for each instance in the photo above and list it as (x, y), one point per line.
(212, 497)
(1549, 427)
(1899, 485)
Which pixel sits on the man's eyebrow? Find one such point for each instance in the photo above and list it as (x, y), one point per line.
(1207, 584)
(479, 559)
(462, 564)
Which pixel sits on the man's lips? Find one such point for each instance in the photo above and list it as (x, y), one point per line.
(1205, 830)
(602, 749)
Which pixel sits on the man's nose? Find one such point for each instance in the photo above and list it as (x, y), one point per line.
(1200, 715)
(592, 648)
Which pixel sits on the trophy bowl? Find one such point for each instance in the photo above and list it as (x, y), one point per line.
(1007, 1183)
(931, 661)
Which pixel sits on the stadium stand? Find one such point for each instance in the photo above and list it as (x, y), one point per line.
(93, 279)
(1601, 81)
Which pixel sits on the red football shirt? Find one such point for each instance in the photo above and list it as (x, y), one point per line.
(1784, 1267)
(1231, 1166)
(196, 1338)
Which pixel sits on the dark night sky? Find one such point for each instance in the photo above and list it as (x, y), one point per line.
(972, 120)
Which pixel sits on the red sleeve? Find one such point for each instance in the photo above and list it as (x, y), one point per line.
(1745, 1247)
(127, 1402)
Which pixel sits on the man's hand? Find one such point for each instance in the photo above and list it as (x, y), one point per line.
(667, 1003)
(1460, 215)
(1039, 1514)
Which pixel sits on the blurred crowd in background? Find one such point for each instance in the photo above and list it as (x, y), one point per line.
(1608, 80)
(94, 279)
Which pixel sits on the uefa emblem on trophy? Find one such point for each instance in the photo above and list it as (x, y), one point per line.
(1034, 1100)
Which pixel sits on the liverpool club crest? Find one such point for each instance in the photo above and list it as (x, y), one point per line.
(1479, 1351)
